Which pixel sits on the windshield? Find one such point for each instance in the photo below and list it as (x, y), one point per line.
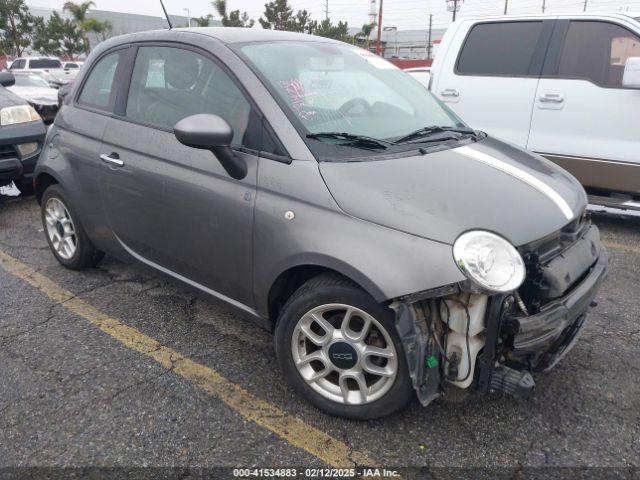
(31, 81)
(341, 88)
(44, 63)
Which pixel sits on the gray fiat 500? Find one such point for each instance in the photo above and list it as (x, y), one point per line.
(328, 196)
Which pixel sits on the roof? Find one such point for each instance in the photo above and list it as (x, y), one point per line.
(625, 15)
(239, 35)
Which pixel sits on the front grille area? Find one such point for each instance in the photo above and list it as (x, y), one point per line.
(539, 256)
(46, 112)
(7, 151)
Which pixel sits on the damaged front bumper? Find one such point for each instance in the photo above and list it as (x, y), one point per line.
(515, 344)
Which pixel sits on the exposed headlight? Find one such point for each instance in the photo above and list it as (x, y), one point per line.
(489, 261)
(18, 114)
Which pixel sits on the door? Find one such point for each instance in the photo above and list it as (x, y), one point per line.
(78, 135)
(584, 119)
(172, 206)
(491, 83)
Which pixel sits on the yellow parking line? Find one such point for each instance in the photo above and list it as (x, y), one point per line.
(621, 246)
(331, 451)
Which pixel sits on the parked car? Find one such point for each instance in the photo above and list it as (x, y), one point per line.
(50, 67)
(72, 65)
(36, 90)
(422, 74)
(565, 86)
(320, 191)
(21, 135)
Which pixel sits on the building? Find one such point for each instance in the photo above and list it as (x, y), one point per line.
(122, 23)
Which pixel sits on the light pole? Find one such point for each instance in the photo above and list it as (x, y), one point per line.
(188, 16)
(395, 29)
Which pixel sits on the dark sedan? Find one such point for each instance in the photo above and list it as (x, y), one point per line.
(22, 134)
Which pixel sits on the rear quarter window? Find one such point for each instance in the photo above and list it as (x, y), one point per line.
(501, 48)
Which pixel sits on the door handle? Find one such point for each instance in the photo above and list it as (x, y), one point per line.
(113, 158)
(450, 92)
(552, 98)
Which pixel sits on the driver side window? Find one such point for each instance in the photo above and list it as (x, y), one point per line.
(169, 84)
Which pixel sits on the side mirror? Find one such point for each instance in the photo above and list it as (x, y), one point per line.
(211, 132)
(631, 77)
(7, 79)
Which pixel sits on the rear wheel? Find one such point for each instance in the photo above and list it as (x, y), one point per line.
(339, 348)
(67, 239)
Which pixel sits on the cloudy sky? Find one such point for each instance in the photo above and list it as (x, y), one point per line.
(405, 14)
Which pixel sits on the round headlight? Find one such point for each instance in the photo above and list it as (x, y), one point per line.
(489, 260)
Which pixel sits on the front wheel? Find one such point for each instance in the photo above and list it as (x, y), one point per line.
(339, 348)
(67, 239)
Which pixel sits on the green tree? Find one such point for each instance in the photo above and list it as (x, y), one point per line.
(101, 29)
(16, 27)
(365, 33)
(79, 13)
(327, 29)
(203, 21)
(57, 36)
(233, 18)
(278, 15)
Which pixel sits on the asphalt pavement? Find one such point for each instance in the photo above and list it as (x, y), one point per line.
(116, 366)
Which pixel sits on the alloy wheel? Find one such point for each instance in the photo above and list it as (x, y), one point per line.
(60, 228)
(344, 354)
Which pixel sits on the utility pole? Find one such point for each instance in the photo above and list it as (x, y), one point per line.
(429, 37)
(544, 5)
(584, 8)
(326, 9)
(506, 6)
(378, 44)
(452, 6)
(188, 16)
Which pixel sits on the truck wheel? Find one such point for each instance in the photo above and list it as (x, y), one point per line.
(66, 237)
(339, 348)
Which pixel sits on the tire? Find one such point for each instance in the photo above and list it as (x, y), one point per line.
(25, 187)
(85, 254)
(326, 296)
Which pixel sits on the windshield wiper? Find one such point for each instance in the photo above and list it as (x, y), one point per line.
(427, 131)
(352, 139)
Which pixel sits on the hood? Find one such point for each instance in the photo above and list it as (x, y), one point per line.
(488, 185)
(38, 95)
(9, 99)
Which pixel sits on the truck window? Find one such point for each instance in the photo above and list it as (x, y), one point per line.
(44, 63)
(597, 51)
(499, 48)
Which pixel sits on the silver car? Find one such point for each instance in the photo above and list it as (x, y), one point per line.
(331, 198)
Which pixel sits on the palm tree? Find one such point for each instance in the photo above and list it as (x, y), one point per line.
(79, 13)
(366, 33)
(221, 8)
(233, 18)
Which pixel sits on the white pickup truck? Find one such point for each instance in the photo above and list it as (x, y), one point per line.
(50, 68)
(564, 86)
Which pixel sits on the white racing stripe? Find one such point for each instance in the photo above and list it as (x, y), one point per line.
(529, 179)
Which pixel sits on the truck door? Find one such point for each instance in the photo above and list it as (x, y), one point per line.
(584, 119)
(490, 74)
